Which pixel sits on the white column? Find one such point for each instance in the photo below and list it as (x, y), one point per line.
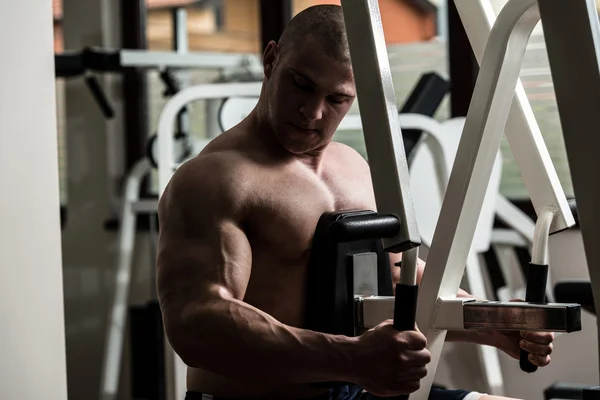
(32, 334)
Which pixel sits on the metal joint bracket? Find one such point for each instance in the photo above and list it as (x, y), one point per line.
(449, 313)
(375, 310)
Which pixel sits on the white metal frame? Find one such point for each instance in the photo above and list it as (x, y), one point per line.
(113, 349)
(385, 149)
(435, 157)
(487, 118)
(489, 114)
(189, 60)
(439, 309)
(522, 131)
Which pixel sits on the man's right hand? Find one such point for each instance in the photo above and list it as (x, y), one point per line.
(391, 362)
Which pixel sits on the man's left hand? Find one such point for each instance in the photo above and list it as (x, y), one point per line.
(537, 344)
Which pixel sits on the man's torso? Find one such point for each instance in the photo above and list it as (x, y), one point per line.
(287, 200)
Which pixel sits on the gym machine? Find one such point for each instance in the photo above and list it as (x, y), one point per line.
(576, 85)
(439, 309)
(85, 62)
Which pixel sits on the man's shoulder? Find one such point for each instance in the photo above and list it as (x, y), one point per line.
(208, 168)
(342, 153)
(216, 177)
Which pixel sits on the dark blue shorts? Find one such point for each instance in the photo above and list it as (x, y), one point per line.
(355, 393)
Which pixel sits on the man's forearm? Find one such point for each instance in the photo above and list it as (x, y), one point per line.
(236, 340)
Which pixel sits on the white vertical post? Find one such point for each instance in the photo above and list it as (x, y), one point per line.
(32, 337)
(380, 122)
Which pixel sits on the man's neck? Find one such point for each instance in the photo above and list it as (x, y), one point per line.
(266, 135)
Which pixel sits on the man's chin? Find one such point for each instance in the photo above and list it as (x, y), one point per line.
(298, 147)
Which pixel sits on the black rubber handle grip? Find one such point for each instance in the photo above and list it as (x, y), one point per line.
(537, 277)
(405, 312)
(405, 307)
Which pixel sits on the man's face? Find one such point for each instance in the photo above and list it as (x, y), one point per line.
(308, 95)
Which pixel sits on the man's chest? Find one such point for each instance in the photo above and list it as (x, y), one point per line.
(288, 208)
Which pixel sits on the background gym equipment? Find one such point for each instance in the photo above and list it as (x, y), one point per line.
(118, 61)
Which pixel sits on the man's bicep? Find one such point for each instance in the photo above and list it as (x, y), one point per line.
(203, 254)
(198, 266)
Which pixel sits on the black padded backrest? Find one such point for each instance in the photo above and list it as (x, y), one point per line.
(329, 294)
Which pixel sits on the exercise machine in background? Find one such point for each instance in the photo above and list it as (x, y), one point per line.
(91, 61)
(173, 68)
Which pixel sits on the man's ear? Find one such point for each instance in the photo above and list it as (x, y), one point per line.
(269, 58)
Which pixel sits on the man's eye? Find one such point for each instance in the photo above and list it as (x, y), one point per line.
(302, 84)
(337, 100)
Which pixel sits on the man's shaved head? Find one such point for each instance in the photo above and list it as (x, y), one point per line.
(325, 23)
(309, 82)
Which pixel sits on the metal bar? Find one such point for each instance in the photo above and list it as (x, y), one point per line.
(180, 36)
(472, 169)
(115, 335)
(550, 317)
(508, 237)
(145, 206)
(522, 131)
(442, 19)
(274, 17)
(487, 356)
(135, 88)
(364, 269)
(170, 59)
(462, 66)
(180, 45)
(379, 116)
(515, 218)
(468, 314)
(576, 75)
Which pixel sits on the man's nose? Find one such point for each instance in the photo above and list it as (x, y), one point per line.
(313, 108)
